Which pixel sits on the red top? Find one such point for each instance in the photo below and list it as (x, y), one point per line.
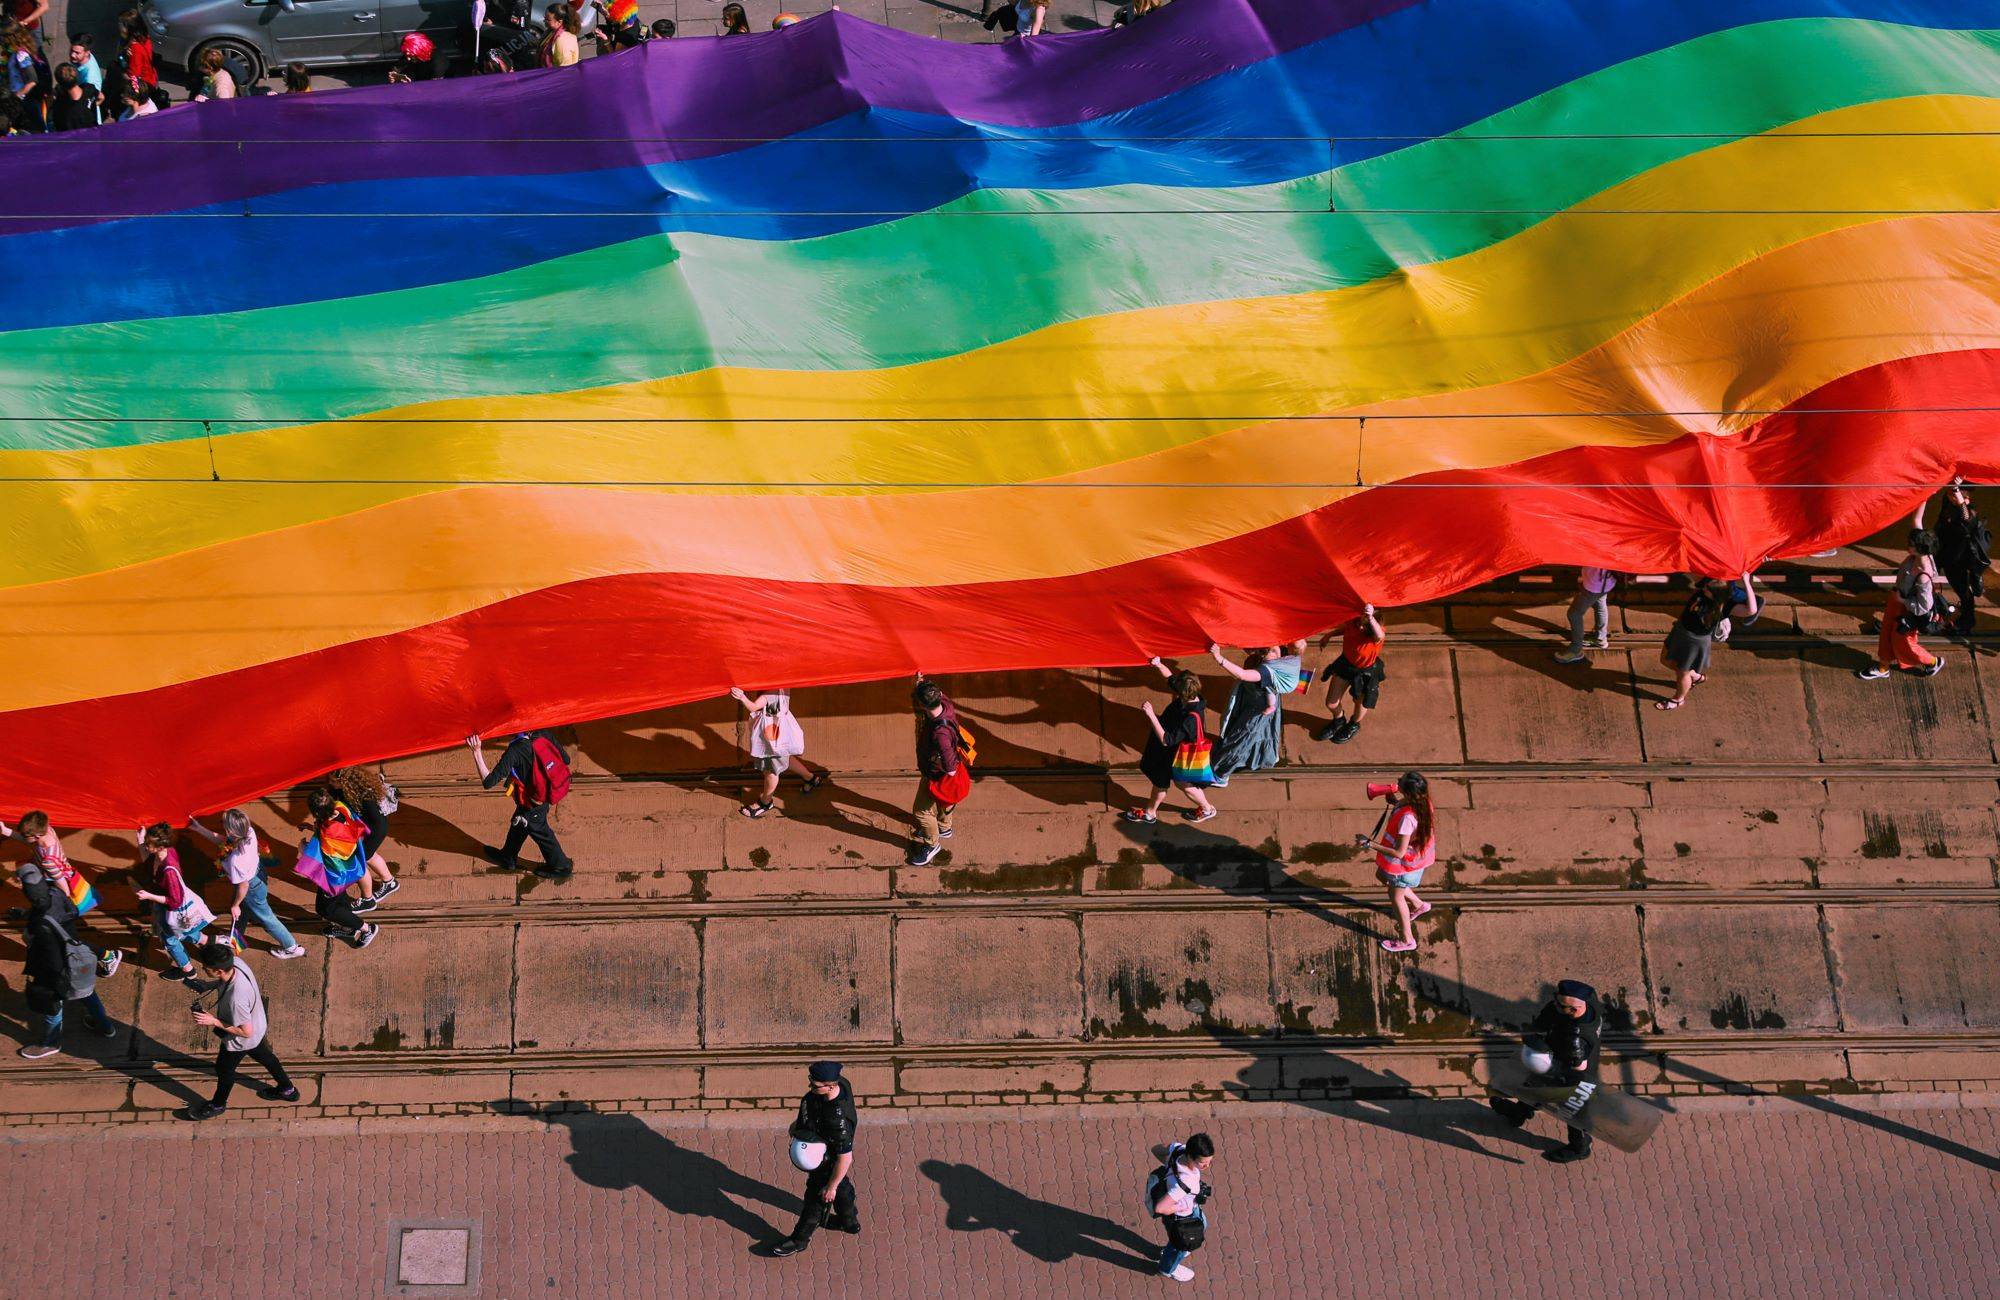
(167, 875)
(1357, 647)
(139, 62)
(19, 10)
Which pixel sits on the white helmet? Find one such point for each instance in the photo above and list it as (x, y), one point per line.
(807, 1156)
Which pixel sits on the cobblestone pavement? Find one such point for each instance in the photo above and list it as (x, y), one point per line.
(1771, 1198)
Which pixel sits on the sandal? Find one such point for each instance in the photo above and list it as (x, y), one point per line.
(1398, 945)
(755, 810)
(813, 783)
(1668, 704)
(1134, 815)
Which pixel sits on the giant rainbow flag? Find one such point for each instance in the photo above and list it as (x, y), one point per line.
(338, 426)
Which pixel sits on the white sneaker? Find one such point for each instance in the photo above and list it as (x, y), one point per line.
(286, 954)
(108, 963)
(1182, 1274)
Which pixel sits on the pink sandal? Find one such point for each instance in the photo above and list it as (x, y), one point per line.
(1398, 945)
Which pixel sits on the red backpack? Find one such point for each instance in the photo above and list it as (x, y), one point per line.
(548, 773)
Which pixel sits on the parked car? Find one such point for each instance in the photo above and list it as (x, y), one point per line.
(267, 34)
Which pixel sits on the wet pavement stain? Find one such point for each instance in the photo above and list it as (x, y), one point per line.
(1735, 1013)
(1880, 839)
(1122, 874)
(1134, 993)
(1014, 878)
(1320, 853)
(1342, 975)
(760, 857)
(387, 1038)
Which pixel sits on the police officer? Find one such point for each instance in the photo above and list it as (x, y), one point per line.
(1569, 1027)
(826, 1112)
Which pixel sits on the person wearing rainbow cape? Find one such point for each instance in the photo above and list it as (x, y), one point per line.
(330, 857)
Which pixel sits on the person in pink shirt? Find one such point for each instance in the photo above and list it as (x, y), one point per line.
(1593, 596)
(1405, 843)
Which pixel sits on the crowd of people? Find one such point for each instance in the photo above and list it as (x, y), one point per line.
(83, 91)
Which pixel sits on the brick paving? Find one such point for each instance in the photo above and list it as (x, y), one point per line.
(1768, 1198)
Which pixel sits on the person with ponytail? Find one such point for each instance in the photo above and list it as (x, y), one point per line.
(1405, 843)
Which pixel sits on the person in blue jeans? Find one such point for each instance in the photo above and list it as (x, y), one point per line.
(240, 858)
(60, 969)
(1176, 1195)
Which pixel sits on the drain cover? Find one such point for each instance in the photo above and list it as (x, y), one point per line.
(432, 1258)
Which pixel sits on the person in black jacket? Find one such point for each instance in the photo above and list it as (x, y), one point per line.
(826, 1114)
(1569, 1027)
(531, 810)
(1965, 548)
(59, 970)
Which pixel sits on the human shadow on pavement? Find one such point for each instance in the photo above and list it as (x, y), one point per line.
(976, 1202)
(617, 1151)
(1231, 867)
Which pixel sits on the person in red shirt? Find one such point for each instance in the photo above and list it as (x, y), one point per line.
(1355, 678)
(135, 44)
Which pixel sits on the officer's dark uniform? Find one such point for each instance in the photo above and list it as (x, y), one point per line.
(832, 1121)
(1572, 1041)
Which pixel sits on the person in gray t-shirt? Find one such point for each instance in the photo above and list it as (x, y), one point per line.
(238, 1020)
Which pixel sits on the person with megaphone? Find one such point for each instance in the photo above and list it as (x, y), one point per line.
(1405, 843)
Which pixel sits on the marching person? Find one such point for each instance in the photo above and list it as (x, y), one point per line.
(1965, 548)
(1177, 753)
(1568, 1026)
(371, 798)
(239, 1022)
(1593, 601)
(1355, 677)
(60, 969)
(1405, 843)
(242, 864)
(180, 914)
(536, 771)
(1711, 610)
(332, 858)
(827, 1113)
(944, 770)
(53, 885)
(776, 741)
(1176, 1193)
(1910, 611)
(1253, 726)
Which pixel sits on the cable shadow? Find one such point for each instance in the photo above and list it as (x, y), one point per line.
(1831, 1106)
(1378, 1098)
(618, 1151)
(1501, 1020)
(977, 1202)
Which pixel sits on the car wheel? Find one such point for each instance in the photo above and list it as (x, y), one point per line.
(235, 51)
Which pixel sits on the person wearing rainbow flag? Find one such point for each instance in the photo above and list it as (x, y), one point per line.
(330, 857)
(52, 885)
